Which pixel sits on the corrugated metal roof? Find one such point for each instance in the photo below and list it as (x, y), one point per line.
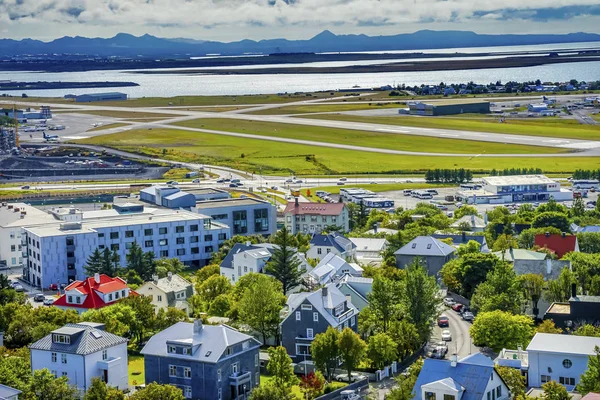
(566, 344)
(88, 340)
(425, 246)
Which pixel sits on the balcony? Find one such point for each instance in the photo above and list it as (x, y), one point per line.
(24, 254)
(70, 248)
(240, 378)
(344, 316)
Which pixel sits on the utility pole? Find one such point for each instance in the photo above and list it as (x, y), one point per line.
(16, 126)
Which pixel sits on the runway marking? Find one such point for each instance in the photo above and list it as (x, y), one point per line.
(391, 130)
(448, 134)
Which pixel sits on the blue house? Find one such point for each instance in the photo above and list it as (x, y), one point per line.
(308, 314)
(472, 378)
(205, 362)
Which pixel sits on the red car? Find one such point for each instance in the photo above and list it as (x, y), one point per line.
(53, 286)
(457, 307)
(443, 321)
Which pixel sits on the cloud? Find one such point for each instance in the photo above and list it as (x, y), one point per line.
(237, 19)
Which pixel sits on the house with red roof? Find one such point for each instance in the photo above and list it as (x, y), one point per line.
(92, 293)
(315, 217)
(558, 244)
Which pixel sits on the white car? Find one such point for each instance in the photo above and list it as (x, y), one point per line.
(354, 377)
(449, 301)
(446, 335)
(197, 180)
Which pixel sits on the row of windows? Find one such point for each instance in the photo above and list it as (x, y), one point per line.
(432, 396)
(176, 371)
(314, 218)
(495, 393)
(150, 231)
(563, 380)
(63, 357)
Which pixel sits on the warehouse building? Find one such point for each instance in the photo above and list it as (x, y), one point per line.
(449, 108)
(109, 96)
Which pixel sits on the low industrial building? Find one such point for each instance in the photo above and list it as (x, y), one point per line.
(515, 188)
(243, 216)
(174, 197)
(537, 108)
(108, 96)
(449, 108)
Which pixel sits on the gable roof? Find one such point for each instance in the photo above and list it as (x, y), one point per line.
(472, 373)
(322, 304)
(241, 247)
(425, 246)
(472, 220)
(358, 285)
(7, 392)
(314, 208)
(333, 265)
(86, 338)
(339, 242)
(173, 283)
(588, 229)
(559, 244)
(512, 255)
(549, 269)
(207, 346)
(90, 288)
(463, 238)
(566, 344)
(369, 244)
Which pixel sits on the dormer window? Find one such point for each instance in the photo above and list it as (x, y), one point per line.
(228, 351)
(63, 339)
(180, 295)
(186, 351)
(172, 349)
(69, 299)
(110, 297)
(339, 310)
(78, 300)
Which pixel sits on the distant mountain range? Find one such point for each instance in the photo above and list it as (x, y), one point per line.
(125, 45)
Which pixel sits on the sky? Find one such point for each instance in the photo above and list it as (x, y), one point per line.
(231, 20)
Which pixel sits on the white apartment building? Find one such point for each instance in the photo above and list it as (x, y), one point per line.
(315, 217)
(244, 216)
(81, 352)
(57, 252)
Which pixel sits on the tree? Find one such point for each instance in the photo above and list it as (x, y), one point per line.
(284, 264)
(465, 210)
(547, 326)
(554, 391)
(504, 243)
(325, 351)
(171, 316)
(559, 289)
(213, 287)
(472, 246)
(513, 379)
(383, 300)
(280, 367)
(585, 267)
(270, 391)
(406, 336)
(206, 272)
(382, 350)
(155, 391)
(587, 330)
(352, 350)
(15, 368)
(500, 291)
(557, 220)
(312, 385)
(145, 317)
(406, 383)
(260, 305)
(102, 262)
(526, 239)
(142, 263)
(99, 390)
(44, 386)
(94, 263)
(589, 242)
(118, 318)
(499, 329)
(464, 274)
(533, 285)
(220, 306)
(419, 298)
(590, 380)
(166, 265)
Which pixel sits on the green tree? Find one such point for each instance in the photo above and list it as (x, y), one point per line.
(557, 220)
(206, 272)
(260, 305)
(270, 391)
(285, 264)
(500, 291)
(587, 330)
(590, 380)
(352, 350)
(166, 265)
(513, 379)
(211, 288)
(142, 263)
(384, 300)
(15, 368)
(118, 318)
(552, 206)
(281, 369)
(419, 298)
(325, 351)
(94, 263)
(382, 350)
(589, 242)
(504, 243)
(44, 386)
(220, 306)
(99, 390)
(102, 262)
(403, 390)
(554, 391)
(471, 247)
(406, 336)
(578, 209)
(585, 267)
(170, 316)
(464, 274)
(533, 286)
(559, 289)
(526, 239)
(465, 210)
(145, 317)
(499, 329)
(155, 391)
(547, 326)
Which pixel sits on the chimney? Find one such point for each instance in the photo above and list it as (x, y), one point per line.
(248, 243)
(573, 290)
(547, 234)
(564, 234)
(375, 226)
(324, 291)
(485, 218)
(453, 360)
(464, 236)
(154, 278)
(297, 204)
(198, 326)
(169, 275)
(97, 278)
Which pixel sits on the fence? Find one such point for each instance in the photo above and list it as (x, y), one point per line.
(337, 393)
(459, 299)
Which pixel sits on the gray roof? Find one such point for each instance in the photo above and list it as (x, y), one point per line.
(463, 238)
(323, 304)
(207, 346)
(359, 285)
(340, 242)
(586, 299)
(566, 344)
(240, 247)
(520, 254)
(425, 246)
(85, 339)
(175, 283)
(549, 269)
(471, 220)
(7, 392)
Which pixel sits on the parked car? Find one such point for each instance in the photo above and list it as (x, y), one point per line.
(443, 321)
(48, 301)
(349, 395)
(25, 187)
(227, 180)
(220, 180)
(53, 286)
(289, 180)
(19, 288)
(197, 180)
(233, 185)
(354, 377)
(298, 181)
(39, 298)
(468, 316)
(438, 350)
(172, 183)
(343, 179)
(340, 183)
(449, 301)
(457, 307)
(446, 335)
(274, 188)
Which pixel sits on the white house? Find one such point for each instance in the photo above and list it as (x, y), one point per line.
(560, 358)
(321, 245)
(170, 291)
(81, 352)
(332, 267)
(475, 223)
(368, 250)
(8, 393)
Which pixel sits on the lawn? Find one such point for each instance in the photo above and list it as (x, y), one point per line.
(324, 107)
(380, 140)
(135, 365)
(264, 379)
(213, 109)
(122, 114)
(274, 158)
(107, 126)
(551, 127)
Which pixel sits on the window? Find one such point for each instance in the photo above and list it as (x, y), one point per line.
(449, 397)
(13, 247)
(316, 317)
(148, 232)
(179, 229)
(114, 246)
(208, 249)
(162, 231)
(187, 372)
(431, 395)
(256, 360)
(218, 375)
(261, 220)
(222, 236)
(69, 299)
(186, 351)
(219, 216)
(159, 298)
(339, 310)
(181, 252)
(319, 250)
(105, 354)
(567, 363)
(149, 243)
(499, 391)
(352, 321)
(180, 240)
(64, 374)
(309, 333)
(172, 370)
(193, 239)
(228, 351)
(306, 307)
(170, 349)
(54, 373)
(208, 238)
(100, 235)
(110, 297)
(240, 222)
(195, 250)
(328, 251)
(566, 381)
(193, 228)
(163, 242)
(187, 392)
(256, 379)
(53, 357)
(180, 295)
(61, 339)
(164, 253)
(298, 316)
(413, 245)
(545, 378)
(63, 358)
(128, 245)
(234, 368)
(114, 235)
(220, 394)
(128, 234)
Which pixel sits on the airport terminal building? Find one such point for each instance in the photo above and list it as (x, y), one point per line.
(515, 188)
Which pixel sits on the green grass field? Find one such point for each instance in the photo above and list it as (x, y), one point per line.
(551, 127)
(107, 126)
(135, 366)
(274, 158)
(364, 138)
(123, 114)
(321, 108)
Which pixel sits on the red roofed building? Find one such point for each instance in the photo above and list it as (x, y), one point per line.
(314, 217)
(559, 244)
(93, 293)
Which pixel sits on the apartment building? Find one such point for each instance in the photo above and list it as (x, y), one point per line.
(315, 217)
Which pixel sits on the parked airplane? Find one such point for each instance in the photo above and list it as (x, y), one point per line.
(50, 138)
